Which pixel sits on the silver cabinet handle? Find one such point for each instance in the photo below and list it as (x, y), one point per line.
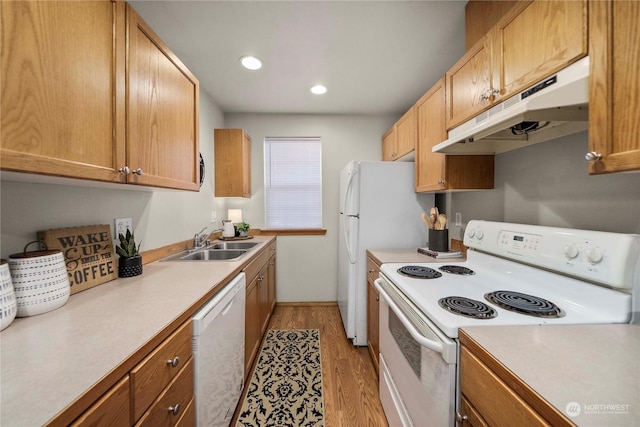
(377, 297)
(174, 409)
(441, 181)
(592, 155)
(461, 418)
(125, 170)
(138, 172)
(173, 362)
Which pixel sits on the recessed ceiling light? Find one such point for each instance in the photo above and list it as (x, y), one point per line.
(318, 89)
(251, 62)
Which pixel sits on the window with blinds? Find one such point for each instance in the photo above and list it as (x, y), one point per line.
(293, 183)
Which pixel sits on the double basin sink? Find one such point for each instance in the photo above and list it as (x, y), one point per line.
(220, 251)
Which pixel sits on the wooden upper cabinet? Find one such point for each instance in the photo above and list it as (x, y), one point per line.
(162, 104)
(232, 159)
(389, 144)
(614, 110)
(533, 40)
(400, 139)
(440, 172)
(406, 133)
(62, 88)
(480, 16)
(468, 84)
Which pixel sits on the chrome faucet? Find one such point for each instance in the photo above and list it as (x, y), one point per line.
(201, 239)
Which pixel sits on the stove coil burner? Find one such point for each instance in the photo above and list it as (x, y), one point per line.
(418, 272)
(457, 269)
(467, 307)
(524, 304)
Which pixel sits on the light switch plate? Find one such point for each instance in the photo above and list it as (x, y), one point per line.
(458, 219)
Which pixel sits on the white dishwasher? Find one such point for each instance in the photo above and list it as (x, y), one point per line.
(218, 352)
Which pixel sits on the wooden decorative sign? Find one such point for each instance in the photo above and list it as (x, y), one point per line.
(88, 254)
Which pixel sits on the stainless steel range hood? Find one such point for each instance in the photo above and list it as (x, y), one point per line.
(554, 107)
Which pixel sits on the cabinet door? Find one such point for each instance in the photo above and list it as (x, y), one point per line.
(162, 125)
(431, 131)
(271, 274)
(534, 40)
(435, 171)
(252, 325)
(389, 144)
(614, 110)
(471, 417)
(62, 88)
(232, 157)
(265, 306)
(406, 133)
(469, 83)
(373, 310)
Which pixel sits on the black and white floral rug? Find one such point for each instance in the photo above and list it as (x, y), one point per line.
(286, 385)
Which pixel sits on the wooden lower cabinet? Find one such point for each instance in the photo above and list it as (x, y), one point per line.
(260, 301)
(112, 409)
(373, 309)
(493, 396)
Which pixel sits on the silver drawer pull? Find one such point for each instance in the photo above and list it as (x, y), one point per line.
(173, 362)
(174, 409)
(138, 172)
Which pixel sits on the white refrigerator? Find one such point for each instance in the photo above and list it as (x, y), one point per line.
(379, 209)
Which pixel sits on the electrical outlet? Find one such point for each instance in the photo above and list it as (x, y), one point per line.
(458, 219)
(122, 225)
(214, 217)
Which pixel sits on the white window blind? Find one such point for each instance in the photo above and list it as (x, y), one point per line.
(293, 183)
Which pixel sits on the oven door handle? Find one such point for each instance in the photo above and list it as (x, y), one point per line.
(421, 339)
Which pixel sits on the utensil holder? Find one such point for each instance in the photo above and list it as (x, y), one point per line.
(7, 296)
(439, 240)
(40, 281)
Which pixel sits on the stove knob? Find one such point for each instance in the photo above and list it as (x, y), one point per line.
(594, 255)
(471, 233)
(571, 251)
(480, 234)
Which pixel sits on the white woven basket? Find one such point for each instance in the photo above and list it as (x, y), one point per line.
(40, 281)
(7, 296)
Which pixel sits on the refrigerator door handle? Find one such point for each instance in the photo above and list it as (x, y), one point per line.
(347, 230)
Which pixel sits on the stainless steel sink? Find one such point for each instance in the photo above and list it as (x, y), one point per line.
(232, 245)
(214, 255)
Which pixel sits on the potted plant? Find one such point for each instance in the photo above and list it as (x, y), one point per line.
(243, 228)
(130, 261)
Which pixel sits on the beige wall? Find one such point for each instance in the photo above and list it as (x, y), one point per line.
(548, 184)
(159, 217)
(308, 265)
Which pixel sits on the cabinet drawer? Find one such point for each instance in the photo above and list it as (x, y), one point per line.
(111, 409)
(255, 266)
(153, 374)
(496, 402)
(177, 396)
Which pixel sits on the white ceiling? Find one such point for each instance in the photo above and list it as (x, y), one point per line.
(375, 57)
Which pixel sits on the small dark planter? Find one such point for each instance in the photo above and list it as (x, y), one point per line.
(129, 267)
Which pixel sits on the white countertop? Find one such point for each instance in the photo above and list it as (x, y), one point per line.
(385, 256)
(595, 368)
(50, 360)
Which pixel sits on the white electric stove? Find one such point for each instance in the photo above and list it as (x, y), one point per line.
(514, 274)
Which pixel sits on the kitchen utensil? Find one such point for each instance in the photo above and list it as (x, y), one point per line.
(433, 217)
(7, 296)
(426, 221)
(40, 280)
(442, 221)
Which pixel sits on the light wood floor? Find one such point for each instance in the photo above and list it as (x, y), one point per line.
(350, 383)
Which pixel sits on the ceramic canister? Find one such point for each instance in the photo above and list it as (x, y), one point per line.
(7, 296)
(40, 281)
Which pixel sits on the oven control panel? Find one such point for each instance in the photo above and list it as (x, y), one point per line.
(519, 242)
(606, 258)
